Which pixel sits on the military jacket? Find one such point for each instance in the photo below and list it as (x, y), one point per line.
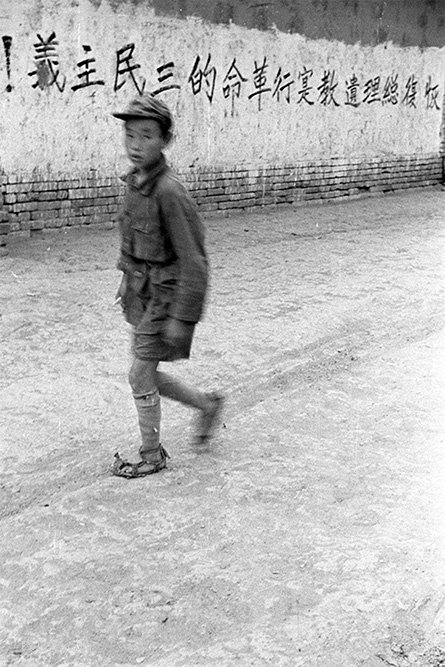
(162, 250)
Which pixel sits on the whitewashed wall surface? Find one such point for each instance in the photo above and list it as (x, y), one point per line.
(240, 97)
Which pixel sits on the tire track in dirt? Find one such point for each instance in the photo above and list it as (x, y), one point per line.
(333, 354)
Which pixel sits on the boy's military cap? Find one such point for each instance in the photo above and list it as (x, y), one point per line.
(147, 106)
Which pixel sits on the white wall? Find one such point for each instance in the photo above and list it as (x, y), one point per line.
(64, 132)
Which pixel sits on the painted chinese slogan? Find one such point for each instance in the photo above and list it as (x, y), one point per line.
(301, 87)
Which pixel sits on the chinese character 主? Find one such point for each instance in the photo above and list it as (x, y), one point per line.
(86, 72)
(47, 64)
(260, 81)
(199, 76)
(164, 74)
(125, 67)
(305, 89)
(327, 88)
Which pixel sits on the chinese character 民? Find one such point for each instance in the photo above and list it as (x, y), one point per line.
(391, 90)
(259, 81)
(207, 75)
(352, 87)
(164, 74)
(431, 94)
(410, 92)
(86, 72)
(371, 90)
(232, 83)
(305, 89)
(126, 67)
(327, 88)
(47, 64)
(281, 84)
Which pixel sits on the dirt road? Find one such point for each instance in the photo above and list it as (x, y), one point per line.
(311, 533)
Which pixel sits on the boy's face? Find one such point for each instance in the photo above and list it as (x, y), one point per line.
(144, 142)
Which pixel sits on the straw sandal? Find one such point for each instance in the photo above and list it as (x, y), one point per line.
(209, 418)
(122, 468)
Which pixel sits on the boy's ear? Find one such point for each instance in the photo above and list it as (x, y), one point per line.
(168, 136)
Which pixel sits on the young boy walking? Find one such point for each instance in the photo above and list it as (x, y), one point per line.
(165, 275)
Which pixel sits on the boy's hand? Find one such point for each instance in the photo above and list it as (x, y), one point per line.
(121, 291)
(176, 332)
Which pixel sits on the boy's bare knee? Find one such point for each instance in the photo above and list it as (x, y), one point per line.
(142, 376)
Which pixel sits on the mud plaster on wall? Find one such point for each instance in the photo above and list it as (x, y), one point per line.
(72, 132)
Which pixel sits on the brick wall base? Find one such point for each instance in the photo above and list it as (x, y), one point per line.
(4, 232)
(35, 203)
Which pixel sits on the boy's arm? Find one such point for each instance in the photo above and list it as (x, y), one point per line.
(186, 233)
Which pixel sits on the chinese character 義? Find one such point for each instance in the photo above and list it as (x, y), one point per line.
(47, 64)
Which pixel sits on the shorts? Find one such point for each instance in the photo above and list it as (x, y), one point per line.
(152, 345)
(147, 305)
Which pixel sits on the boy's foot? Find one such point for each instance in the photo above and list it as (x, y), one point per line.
(209, 418)
(122, 468)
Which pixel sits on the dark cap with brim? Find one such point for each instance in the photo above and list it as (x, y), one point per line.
(147, 106)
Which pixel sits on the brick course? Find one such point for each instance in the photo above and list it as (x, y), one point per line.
(32, 204)
(5, 226)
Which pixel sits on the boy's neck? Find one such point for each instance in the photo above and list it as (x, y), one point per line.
(141, 175)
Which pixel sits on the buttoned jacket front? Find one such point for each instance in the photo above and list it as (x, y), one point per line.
(162, 250)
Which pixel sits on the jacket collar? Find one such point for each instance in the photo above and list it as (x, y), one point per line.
(145, 181)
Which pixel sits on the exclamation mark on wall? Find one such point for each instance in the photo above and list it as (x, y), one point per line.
(7, 41)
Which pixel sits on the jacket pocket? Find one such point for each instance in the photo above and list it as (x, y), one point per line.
(135, 292)
(148, 242)
(164, 277)
(147, 245)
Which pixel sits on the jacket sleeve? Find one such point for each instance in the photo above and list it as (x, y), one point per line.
(185, 232)
(125, 234)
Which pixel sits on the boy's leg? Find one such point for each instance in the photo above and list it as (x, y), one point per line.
(172, 388)
(209, 404)
(142, 380)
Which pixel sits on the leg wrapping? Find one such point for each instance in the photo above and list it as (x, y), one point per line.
(148, 407)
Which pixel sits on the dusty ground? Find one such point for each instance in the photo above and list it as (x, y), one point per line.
(312, 532)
